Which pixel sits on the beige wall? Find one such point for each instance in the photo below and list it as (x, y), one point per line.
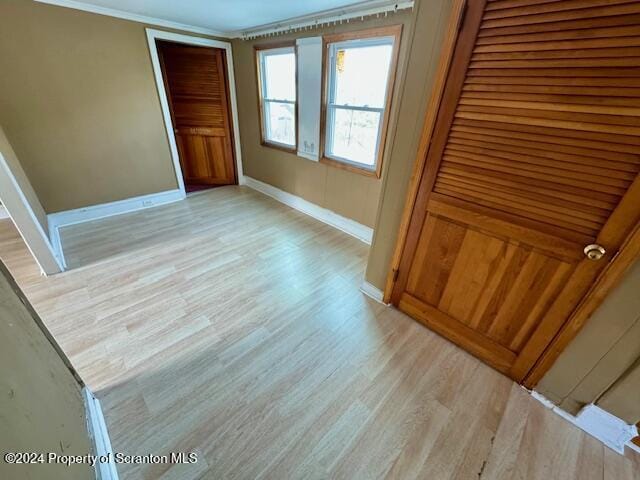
(431, 20)
(79, 104)
(15, 167)
(41, 406)
(349, 194)
(602, 364)
(623, 398)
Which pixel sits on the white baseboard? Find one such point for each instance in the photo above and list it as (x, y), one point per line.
(600, 424)
(371, 291)
(3, 213)
(105, 470)
(353, 228)
(56, 243)
(95, 212)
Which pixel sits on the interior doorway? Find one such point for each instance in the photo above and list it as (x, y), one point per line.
(196, 82)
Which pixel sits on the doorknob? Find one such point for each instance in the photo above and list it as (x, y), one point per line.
(594, 251)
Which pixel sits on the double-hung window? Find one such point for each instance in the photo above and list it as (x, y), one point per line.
(277, 86)
(359, 80)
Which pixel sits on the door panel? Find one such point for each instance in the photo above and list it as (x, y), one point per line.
(195, 80)
(535, 154)
(496, 286)
(201, 147)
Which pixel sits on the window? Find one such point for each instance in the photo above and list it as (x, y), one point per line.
(277, 86)
(359, 79)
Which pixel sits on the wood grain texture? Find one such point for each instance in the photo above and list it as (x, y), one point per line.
(444, 62)
(605, 284)
(196, 85)
(522, 172)
(232, 326)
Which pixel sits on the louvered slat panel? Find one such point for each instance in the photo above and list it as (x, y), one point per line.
(599, 12)
(601, 53)
(540, 96)
(562, 26)
(560, 153)
(545, 36)
(617, 142)
(573, 193)
(572, 213)
(547, 7)
(549, 117)
(536, 156)
(603, 93)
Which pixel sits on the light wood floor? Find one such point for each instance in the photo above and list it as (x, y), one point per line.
(233, 326)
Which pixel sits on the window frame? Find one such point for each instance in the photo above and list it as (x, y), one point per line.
(259, 51)
(367, 37)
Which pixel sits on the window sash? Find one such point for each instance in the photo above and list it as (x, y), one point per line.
(332, 106)
(266, 125)
(355, 107)
(278, 100)
(331, 109)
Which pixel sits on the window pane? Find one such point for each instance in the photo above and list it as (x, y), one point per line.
(354, 135)
(280, 76)
(361, 75)
(280, 122)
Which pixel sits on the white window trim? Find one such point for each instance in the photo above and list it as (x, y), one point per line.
(331, 106)
(262, 54)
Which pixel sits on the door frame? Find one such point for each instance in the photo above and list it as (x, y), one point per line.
(628, 252)
(446, 56)
(152, 36)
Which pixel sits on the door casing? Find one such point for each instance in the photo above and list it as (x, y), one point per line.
(152, 36)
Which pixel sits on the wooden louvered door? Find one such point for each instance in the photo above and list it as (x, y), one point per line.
(534, 155)
(195, 81)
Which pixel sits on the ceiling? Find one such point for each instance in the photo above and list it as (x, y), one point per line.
(218, 15)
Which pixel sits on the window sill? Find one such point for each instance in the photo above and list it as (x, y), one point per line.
(282, 148)
(350, 168)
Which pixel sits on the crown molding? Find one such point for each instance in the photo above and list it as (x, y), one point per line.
(134, 17)
(325, 17)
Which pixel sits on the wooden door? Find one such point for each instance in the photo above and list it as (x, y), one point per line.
(534, 156)
(195, 81)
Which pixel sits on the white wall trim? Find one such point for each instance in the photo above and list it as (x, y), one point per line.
(16, 205)
(100, 437)
(3, 213)
(103, 210)
(372, 291)
(134, 17)
(325, 17)
(56, 243)
(95, 212)
(353, 228)
(152, 36)
(600, 424)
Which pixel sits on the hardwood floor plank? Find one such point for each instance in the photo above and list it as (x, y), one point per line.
(232, 326)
